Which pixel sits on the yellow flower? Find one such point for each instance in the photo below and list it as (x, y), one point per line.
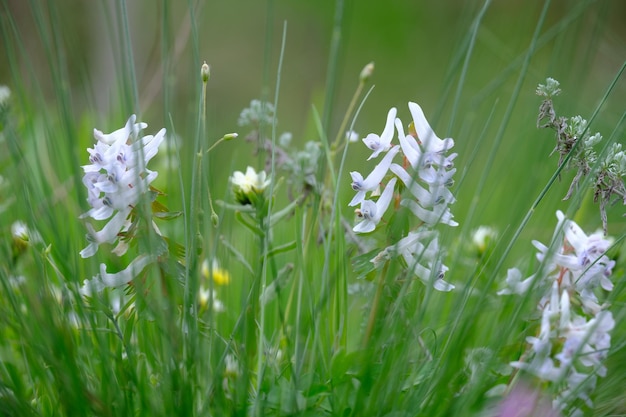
(220, 276)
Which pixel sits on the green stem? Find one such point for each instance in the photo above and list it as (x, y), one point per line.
(371, 322)
(344, 122)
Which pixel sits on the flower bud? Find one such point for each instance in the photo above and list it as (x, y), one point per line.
(215, 219)
(230, 136)
(366, 72)
(205, 71)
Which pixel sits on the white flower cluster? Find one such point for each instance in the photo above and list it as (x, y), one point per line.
(427, 177)
(575, 328)
(116, 179)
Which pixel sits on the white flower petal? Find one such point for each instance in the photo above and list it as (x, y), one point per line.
(373, 212)
(439, 214)
(375, 177)
(409, 146)
(383, 142)
(107, 280)
(429, 140)
(358, 198)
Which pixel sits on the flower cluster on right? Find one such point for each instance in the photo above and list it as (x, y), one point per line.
(426, 173)
(575, 327)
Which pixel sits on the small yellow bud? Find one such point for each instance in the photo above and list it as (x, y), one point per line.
(205, 71)
(366, 72)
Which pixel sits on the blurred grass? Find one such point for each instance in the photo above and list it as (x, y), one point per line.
(70, 69)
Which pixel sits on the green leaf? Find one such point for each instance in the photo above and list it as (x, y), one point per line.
(362, 264)
(169, 215)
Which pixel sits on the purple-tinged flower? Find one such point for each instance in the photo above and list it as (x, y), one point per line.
(372, 212)
(381, 143)
(362, 185)
(117, 178)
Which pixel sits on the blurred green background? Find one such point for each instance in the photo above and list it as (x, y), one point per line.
(418, 48)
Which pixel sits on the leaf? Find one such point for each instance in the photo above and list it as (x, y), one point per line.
(167, 215)
(362, 264)
(157, 207)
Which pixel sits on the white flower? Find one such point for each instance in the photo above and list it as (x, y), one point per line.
(20, 231)
(423, 260)
(251, 181)
(427, 137)
(483, 237)
(245, 185)
(542, 367)
(428, 149)
(231, 367)
(585, 269)
(514, 283)
(427, 180)
(352, 136)
(205, 294)
(5, 94)
(373, 212)
(117, 178)
(575, 265)
(426, 198)
(590, 340)
(381, 143)
(108, 234)
(439, 214)
(123, 277)
(361, 185)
